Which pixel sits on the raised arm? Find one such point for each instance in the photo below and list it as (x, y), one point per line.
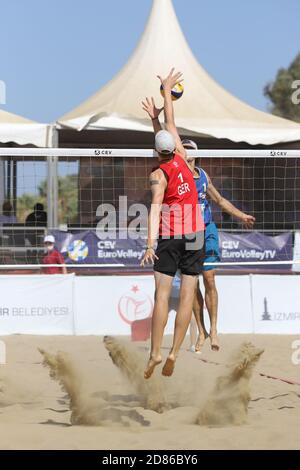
(227, 206)
(168, 83)
(153, 112)
(158, 186)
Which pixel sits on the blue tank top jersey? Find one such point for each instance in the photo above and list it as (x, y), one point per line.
(202, 185)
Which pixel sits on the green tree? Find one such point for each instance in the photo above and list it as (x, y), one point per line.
(67, 200)
(280, 92)
(25, 204)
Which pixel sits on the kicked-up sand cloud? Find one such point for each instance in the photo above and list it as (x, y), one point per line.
(228, 403)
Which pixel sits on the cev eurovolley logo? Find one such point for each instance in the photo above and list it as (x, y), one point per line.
(78, 250)
(135, 305)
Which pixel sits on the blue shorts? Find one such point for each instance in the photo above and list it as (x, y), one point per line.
(212, 252)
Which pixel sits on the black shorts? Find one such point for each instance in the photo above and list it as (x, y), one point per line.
(185, 253)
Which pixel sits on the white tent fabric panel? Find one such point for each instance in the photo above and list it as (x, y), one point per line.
(22, 131)
(205, 109)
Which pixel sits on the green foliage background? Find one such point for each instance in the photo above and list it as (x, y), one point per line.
(280, 92)
(67, 200)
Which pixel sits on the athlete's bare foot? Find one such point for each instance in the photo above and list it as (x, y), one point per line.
(200, 341)
(152, 363)
(169, 366)
(214, 341)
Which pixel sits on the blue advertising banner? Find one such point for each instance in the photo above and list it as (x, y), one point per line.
(87, 248)
(255, 246)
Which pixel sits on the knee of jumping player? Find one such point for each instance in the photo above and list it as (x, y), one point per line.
(209, 281)
(161, 295)
(188, 289)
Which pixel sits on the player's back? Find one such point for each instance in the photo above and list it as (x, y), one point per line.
(180, 212)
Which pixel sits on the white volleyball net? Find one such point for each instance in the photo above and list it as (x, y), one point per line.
(95, 203)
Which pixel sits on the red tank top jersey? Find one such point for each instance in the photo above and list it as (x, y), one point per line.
(54, 257)
(181, 214)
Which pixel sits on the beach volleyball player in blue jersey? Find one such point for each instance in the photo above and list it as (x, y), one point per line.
(205, 189)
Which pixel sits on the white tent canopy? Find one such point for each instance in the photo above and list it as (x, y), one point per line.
(205, 109)
(22, 131)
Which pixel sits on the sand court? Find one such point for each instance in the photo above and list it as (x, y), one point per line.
(112, 406)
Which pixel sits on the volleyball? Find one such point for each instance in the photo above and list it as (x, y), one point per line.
(176, 92)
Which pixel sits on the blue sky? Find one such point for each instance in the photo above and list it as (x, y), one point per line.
(54, 54)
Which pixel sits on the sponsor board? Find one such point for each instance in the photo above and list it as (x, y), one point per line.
(276, 304)
(296, 266)
(100, 305)
(235, 310)
(109, 305)
(87, 248)
(255, 246)
(41, 305)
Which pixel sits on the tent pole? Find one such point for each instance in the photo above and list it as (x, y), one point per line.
(52, 196)
(8, 183)
(49, 194)
(55, 144)
(14, 182)
(55, 191)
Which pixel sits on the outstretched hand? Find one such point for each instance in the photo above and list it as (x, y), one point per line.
(248, 221)
(150, 108)
(171, 80)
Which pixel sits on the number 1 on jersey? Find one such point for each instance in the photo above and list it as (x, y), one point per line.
(180, 177)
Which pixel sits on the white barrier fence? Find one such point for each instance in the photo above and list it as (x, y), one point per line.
(37, 305)
(66, 305)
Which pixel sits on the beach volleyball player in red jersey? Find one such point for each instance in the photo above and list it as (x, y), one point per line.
(176, 224)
